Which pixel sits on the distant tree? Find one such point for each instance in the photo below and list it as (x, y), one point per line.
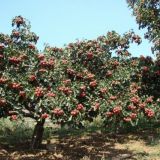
(147, 14)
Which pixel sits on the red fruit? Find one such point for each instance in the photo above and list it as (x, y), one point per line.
(127, 119)
(83, 88)
(41, 56)
(1, 46)
(79, 76)
(15, 60)
(31, 46)
(70, 71)
(133, 115)
(22, 94)
(51, 94)
(50, 62)
(42, 70)
(32, 78)
(82, 94)
(2, 102)
(90, 76)
(109, 114)
(145, 68)
(19, 20)
(89, 55)
(109, 74)
(96, 106)
(43, 63)
(74, 112)
(135, 100)
(93, 83)
(113, 98)
(131, 107)
(15, 85)
(142, 105)
(16, 33)
(39, 92)
(1, 56)
(157, 73)
(149, 112)
(66, 90)
(44, 116)
(3, 80)
(134, 90)
(80, 107)
(103, 90)
(14, 117)
(67, 81)
(55, 49)
(58, 112)
(117, 110)
(149, 100)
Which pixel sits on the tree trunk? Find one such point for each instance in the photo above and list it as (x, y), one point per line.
(37, 134)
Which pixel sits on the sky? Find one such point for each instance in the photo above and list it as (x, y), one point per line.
(59, 22)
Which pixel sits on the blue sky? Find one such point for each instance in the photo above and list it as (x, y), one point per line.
(58, 22)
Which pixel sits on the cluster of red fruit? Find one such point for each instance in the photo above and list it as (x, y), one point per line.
(74, 112)
(117, 110)
(1, 47)
(149, 112)
(44, 116)
(51, 94)
(89, 55)
(2, 102)
(16, 34)
(135, 100)
(66, 90)
(136, 39)
(19, 20)
(58, 112)
(13, 117)
(32, 78)
(93, 84)
(15, 60)
(31, 46)
(22, 94)
(39, 92)
(80, 107)
(47, 63)
(3, 80)
(16, 86)
(131, 117)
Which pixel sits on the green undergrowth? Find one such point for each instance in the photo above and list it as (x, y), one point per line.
(20, 132)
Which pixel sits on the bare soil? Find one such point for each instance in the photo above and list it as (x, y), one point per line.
(90, 146)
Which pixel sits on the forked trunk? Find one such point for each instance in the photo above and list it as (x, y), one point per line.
(37, 134)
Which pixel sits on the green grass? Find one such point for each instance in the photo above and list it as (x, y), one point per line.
(15, 132)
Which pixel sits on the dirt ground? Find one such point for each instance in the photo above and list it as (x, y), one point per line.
(91, 146)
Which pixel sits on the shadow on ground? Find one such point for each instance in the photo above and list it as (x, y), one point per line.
(91, 146)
